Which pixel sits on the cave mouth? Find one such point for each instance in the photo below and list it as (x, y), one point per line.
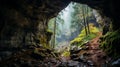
(76, 33)
(70, 22)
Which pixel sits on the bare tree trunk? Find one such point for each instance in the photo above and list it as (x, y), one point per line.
(87, 20)
(83, 11)
(54, 33)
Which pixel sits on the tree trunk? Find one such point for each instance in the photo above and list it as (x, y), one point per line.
(54, 33)
(87, 20)
(83, 11)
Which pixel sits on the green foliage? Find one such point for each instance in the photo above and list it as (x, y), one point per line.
(66, 52)
(77, 15)
(83, 38)
(59, 21)
(49, 31)
(51, 24)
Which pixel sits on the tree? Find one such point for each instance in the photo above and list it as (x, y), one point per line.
(87, 20)
(84, 20)
(81, 17)
(54, 33)
(53, 26)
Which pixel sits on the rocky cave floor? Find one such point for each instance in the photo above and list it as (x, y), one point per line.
(89, 56)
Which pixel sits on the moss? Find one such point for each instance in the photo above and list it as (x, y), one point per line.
(45, 38)
(49, 31)
(66, 54)
(111, 44)
(82, 38)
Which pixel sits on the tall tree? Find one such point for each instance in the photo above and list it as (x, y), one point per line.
(87, 19)
(84, 19)
(54, 33)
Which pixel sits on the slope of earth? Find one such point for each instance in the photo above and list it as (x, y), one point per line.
(91, 54)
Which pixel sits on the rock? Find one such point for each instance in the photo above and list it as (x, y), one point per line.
(63, 64)
(116, 63)
(90, 63)
(75, 51)
(5, 54)
(73, 63)
(38, 56)
(73, 56)
(0, 58)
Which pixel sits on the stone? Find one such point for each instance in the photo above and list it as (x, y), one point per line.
(90, 63)
(116, 63)
(5, 54)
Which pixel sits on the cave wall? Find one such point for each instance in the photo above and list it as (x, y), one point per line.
(23, 23)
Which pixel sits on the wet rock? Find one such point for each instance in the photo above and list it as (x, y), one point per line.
(90, 63)
(73, 63)
(116, 63)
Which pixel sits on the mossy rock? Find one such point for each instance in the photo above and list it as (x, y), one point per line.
(111, 44)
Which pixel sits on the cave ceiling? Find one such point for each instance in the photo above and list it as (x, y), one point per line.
(46, 7)
(39, 9)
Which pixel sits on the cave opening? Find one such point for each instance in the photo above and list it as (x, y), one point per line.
(76, 28)
(72, 20)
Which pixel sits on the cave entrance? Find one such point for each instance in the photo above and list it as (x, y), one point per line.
(73, 21)
(76, 32)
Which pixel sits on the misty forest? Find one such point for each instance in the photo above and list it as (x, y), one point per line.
(71, 33)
